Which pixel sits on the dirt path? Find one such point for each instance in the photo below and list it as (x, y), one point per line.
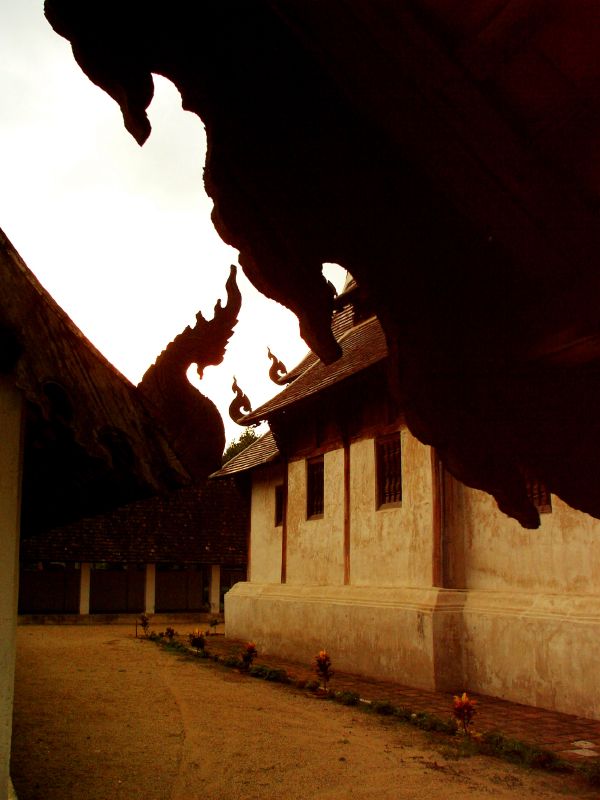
(100, 715)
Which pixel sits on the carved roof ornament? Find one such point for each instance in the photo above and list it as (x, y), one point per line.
(205, 343)
(240, 406)
(191, 420)
(497, 201)
(277, 370)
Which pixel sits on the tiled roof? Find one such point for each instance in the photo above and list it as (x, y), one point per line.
(207, 525)
(55, 350)
(362, 346)
(341, 322)
(259, 452)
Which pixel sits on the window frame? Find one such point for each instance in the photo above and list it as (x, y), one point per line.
(539, 495)
(382, 443)
(315, 487)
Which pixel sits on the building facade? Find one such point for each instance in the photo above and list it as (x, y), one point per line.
(363, 544)
(179, 552)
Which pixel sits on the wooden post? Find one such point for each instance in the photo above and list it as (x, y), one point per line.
(284, 524)
(347, 511)
(150, 589)
(11, 460)
(84, 588)
(215, 589)
(437, 527)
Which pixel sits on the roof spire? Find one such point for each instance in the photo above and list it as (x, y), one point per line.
(277, 370)
(240, 406)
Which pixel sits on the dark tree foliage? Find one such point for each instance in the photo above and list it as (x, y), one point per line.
(241, 443)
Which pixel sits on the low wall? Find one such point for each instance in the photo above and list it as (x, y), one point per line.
(384, 633)
(537, 649)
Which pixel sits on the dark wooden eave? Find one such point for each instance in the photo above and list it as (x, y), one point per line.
(447, 155)
(90, 441)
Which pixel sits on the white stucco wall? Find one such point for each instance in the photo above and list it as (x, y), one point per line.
(315, 547)
(391, 546)
(563, 555)
(265, 539)
(519, 619)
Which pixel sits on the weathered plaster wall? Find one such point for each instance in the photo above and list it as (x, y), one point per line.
(315, 547)
(538, 649)
(11, 408)
(563, 555)
(391, 546)
(519, 616)
(382, 632)
(265, 542)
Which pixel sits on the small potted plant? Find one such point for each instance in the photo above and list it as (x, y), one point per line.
(170, 633)
(144, 624)
(197, 640)
(248, 655)
(464, 710)
(323, 668)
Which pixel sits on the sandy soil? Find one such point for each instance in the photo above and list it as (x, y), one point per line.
(100, 715)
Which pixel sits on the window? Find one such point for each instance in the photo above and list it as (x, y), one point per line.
(389, 470)
(314, 487)
(278, 505)
(539, 496)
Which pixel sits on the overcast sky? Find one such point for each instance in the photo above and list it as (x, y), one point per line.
(121, 236)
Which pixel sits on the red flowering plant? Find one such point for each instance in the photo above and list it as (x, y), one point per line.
(197, 640)
(248, 655)
(464, 710)
(145, 624)
(323, 667)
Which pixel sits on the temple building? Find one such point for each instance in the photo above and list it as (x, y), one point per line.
(86, 459)
(177, 552)
(364, 544)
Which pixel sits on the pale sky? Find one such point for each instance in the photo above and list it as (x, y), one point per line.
(119, 235)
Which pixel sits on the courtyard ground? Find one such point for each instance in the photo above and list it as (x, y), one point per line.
(101, 715)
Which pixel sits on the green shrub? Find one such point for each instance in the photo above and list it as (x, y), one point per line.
(312, 686)
(403, 713)
(347, 698)
(277, 675)
(258, 671)
(383, 707)
(232, 661)
(495, 744)
(591, 771)
(429, 722)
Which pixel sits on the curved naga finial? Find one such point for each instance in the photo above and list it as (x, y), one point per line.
(240, 406)
(277, 370)
(191, 421)
(204, 344)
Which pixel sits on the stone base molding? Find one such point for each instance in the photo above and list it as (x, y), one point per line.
(537, 649)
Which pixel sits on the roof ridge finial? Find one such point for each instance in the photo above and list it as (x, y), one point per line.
(240, 406)
(277, 370)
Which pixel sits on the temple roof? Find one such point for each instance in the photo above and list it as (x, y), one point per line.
(206, 525)
(362, 346)
(263, 450)
(91, 441)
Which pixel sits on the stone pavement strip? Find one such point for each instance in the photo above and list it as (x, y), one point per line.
(570, 737)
